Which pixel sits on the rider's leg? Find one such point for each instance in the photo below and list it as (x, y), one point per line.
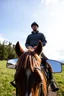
(50, 76)
(52, 82)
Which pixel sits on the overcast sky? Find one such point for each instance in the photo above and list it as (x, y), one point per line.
(16, 17)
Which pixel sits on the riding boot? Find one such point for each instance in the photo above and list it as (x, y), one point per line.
(53, 84)
(13, 84)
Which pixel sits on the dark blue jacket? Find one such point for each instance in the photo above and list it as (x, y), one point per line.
(33, 38)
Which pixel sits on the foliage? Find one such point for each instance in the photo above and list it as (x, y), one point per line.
(7, 51)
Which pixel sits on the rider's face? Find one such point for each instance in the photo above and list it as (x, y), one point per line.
(34, 28)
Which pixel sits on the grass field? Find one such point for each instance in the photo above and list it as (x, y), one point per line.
(6, 75)
(59, 77)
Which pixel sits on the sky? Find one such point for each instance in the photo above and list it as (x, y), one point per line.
(16, 17)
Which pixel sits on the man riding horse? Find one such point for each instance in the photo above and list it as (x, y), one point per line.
(31, 43)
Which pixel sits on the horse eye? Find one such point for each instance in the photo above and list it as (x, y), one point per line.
(34, 82)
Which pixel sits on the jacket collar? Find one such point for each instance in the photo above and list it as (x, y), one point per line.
(35, 32)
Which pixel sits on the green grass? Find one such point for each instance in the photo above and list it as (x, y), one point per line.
(59, 77)
(7, 75)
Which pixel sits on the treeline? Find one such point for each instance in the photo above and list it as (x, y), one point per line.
(7, 51)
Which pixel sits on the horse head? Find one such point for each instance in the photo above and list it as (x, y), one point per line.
(28, 75)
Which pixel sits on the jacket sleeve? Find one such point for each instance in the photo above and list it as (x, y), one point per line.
(43, 39)
(27, 42)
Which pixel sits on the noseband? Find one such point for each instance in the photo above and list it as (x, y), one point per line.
(40, 84)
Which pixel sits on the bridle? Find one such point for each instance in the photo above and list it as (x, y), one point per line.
(40, 84)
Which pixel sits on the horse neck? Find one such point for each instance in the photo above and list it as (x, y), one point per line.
(45, 90)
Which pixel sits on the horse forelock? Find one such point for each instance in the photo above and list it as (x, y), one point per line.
(29, 60)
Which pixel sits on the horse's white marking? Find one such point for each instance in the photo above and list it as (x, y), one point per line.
(28, 72)
(26, 94)
(30, 94)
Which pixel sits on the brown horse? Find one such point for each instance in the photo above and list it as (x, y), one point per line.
(30, 80)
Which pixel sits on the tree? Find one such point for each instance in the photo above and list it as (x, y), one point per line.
(7, 51)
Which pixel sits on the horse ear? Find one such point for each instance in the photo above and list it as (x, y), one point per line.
(18, 49)
(38, 49)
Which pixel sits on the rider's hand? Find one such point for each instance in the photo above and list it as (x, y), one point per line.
(34, 47)
(30, 47)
